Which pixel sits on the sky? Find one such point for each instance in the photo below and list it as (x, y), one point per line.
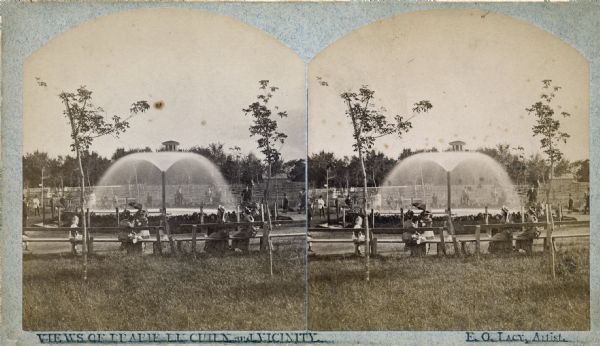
(479, 70)
(203, 67)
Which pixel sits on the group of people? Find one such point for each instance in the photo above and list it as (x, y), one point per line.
(503, 240)
(219, 233)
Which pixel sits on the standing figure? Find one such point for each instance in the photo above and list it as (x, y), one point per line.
(209, 195)
(115, 201)
(532, 196)
(36, 206)
(246, 195)
(178, 197)
(302, 201)
(286, 203)
(321, 206)
(25, 206)
(570, 203)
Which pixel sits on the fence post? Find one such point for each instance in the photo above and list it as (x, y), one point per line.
(374, 246)
(237, 218)
(477, 240)
(117, 212)
(158, 245)
(91, 246)
(442, 243)
(343, 217)
(373, 218)
(560, 216)
(402, 216)
(552, 242)
(548, 240)
(59, 218)
(194, 235)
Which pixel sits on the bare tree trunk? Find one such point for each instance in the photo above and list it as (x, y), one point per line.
(366, 219)
(83, 218)
(267, 231)
(82, 192)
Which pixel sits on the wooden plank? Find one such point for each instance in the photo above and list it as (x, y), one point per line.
(383, 230)
(281, 235)
(478, 240)
(442, 242)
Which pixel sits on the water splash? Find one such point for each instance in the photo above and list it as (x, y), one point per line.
(138, 177)
(476, 179)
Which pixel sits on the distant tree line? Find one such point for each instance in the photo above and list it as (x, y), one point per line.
(345, 171)
(236, 167)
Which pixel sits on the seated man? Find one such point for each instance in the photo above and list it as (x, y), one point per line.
(524, 239)
(413, 240)
(502, 241)
(241, 236)
(217, 241)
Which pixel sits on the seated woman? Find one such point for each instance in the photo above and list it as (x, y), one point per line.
(358, 235)
(131, 235)
(217, 241)
(413, 240)
(241, 237)
(74, 235)
(524, 239)
(502, 241)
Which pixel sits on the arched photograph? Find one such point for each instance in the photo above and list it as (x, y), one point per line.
(448, 175)
(163, 176)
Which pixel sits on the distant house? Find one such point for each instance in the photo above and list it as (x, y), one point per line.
(170, 146)
(457, 145)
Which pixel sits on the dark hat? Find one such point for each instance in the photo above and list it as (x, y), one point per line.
(135, 205)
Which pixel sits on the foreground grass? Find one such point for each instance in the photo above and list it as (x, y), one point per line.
(495, 293)
(233, 292)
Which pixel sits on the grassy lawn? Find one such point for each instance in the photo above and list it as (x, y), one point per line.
(512, 292)
(233, 292)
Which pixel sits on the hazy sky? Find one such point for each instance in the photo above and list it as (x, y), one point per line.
(480, 71)
(204, 68)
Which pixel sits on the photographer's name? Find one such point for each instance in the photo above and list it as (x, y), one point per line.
(525, 338)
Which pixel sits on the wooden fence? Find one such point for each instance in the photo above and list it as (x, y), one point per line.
(439, 235)
(157, 236)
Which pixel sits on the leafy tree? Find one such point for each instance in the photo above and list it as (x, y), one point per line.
(547, 126)
(265, 128)
(252, 170)
(32, 167)
(317, 167)
(295, 170)
(88, 122)
(121, 152)
(581, 170)
(368, 124)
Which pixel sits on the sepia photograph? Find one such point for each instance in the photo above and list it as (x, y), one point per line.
(448, 175)
(164, 177)
(299, 173)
